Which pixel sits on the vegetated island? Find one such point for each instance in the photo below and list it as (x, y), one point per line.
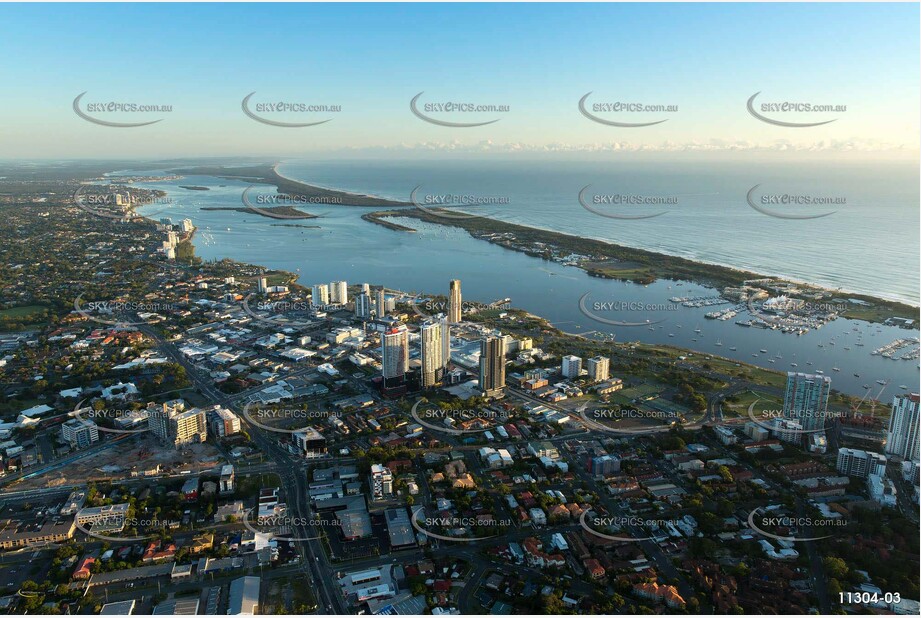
(380, 218)
(193, 188)
(268, 174)
(611, 261)
(288, 212)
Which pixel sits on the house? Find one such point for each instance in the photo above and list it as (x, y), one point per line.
(537, 516)
(465, 481)
(83, 570)
(594, 568)
(156, 551)
(536, 557)
(659, 593)
(202, 542)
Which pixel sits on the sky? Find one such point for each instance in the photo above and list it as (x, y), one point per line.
(537, 59)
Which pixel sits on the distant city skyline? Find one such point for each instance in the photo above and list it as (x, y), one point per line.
(702, 61)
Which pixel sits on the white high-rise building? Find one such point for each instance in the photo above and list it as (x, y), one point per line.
(187, 225)
(854, 462)
(363, 306)
(902, 439)
(599, 368)
(339, 292)
(434, 337)
(79, 433)
(806, 399)
(394, 355)
(262, 285)
(175, 425)
(365, 289)
(572, 366)
(320, 296)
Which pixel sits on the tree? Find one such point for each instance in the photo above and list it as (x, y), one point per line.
(835, 567)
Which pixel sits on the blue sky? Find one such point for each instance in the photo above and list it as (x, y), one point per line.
(371, 59)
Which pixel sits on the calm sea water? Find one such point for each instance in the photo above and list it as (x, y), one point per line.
(869, 245)
(345, 247)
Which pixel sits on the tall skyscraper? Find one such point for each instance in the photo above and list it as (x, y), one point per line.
(599, 368)
(455, 303)
(366, 289)
(903, 439)
(434, 336)
(806, 399)
(320, 296)
(339, 292)
(261, 285)
(394, 355)
(363, 306)
(380, 303)
(492, 365)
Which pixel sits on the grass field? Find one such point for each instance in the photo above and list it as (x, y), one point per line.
(21, 312)
(766, 404)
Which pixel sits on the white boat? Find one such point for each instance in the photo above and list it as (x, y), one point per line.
(794, 365)
(835, 369)
(719, 343)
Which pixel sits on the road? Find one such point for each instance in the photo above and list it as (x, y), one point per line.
(294, 483)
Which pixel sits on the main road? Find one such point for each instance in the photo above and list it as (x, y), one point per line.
(315, 563)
